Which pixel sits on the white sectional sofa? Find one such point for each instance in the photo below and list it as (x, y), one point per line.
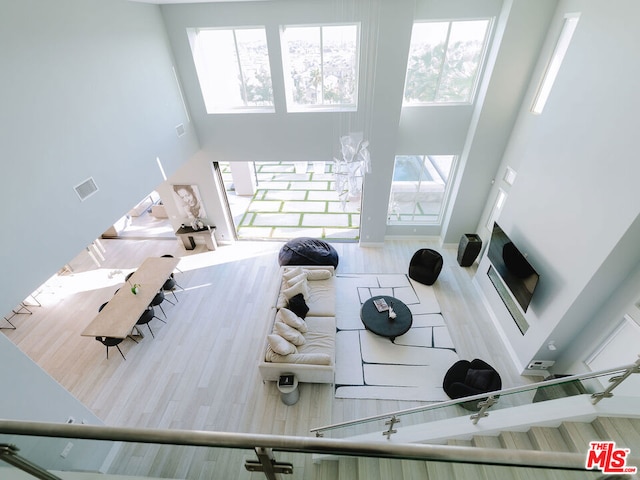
(305, 348)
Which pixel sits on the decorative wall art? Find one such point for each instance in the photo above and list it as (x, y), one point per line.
(189, 202)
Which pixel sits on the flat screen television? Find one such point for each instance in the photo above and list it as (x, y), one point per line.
(516, 271)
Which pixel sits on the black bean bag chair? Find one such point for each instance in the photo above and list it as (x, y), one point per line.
(425, 266)
(466, 378)
(308, 251)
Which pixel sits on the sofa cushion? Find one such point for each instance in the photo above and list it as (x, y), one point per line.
(289, 333)
(289, 273)
(317, 274)
(322, 298)
(321, 336)
(298, 278)
(298, 306)
(281, 345)
(300, 287)
(287, 316)
(298, 358)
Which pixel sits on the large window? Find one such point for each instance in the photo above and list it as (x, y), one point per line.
(233, 68)
(321, 66)
(444, 61)
(420, 188)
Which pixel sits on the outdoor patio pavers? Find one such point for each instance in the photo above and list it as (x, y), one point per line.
(320, 219)
(323, 185)
(286, 195)
(327, 195)
(289, 233)
(264, 206)
(303, 207)
(288, 205)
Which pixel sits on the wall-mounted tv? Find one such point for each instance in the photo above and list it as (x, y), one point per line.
(516, 272)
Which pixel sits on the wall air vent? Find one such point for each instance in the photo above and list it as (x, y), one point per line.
(86, 188)
(180, 130)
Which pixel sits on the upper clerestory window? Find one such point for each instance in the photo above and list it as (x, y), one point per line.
(320, 67)
(444, 61)
(233, 69)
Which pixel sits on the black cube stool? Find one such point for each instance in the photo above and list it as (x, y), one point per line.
(425, 266)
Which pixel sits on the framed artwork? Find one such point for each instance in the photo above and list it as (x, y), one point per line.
(188, 200)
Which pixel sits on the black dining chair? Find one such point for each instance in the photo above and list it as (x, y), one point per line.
(146, 317)
(171, 256)
(157, 302)
(111, 342)
(170, 285)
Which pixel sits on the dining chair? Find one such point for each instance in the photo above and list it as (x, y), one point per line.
(146, 317)
(171, 256)
(111, 342)
(170, 286)
(157, 302)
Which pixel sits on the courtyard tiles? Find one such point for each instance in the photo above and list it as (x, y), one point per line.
(304, 207)
(289, 204)
(319, 220)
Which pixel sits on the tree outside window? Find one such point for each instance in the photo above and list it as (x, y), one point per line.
(321, 65)
(444, 61)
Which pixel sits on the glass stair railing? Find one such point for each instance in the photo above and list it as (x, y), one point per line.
(34, 448)
(476, 407)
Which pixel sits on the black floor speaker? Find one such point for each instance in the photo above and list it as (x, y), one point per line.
(468, 249)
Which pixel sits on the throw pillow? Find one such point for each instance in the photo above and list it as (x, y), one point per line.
(318, 274)
(287, 316)
(298, 278)
(291, 272)
(281, 345)
(298, 306)
(478, 379)
(289, 333)
(300, 287)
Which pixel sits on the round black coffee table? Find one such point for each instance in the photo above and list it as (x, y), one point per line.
(380, 323)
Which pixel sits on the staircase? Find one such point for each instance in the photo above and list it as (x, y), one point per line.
(567, 437)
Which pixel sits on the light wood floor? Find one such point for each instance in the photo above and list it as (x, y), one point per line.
(200, 371)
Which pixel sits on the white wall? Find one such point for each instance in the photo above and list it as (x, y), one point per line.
(88, 90)
(386, 28)
(29, 393)
(573, 207)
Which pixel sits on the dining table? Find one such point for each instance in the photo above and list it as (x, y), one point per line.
(120, 315)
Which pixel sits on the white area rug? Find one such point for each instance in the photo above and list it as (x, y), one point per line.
(369, 366)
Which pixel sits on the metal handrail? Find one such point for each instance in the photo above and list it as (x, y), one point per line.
(482, 396)
(309, 445)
